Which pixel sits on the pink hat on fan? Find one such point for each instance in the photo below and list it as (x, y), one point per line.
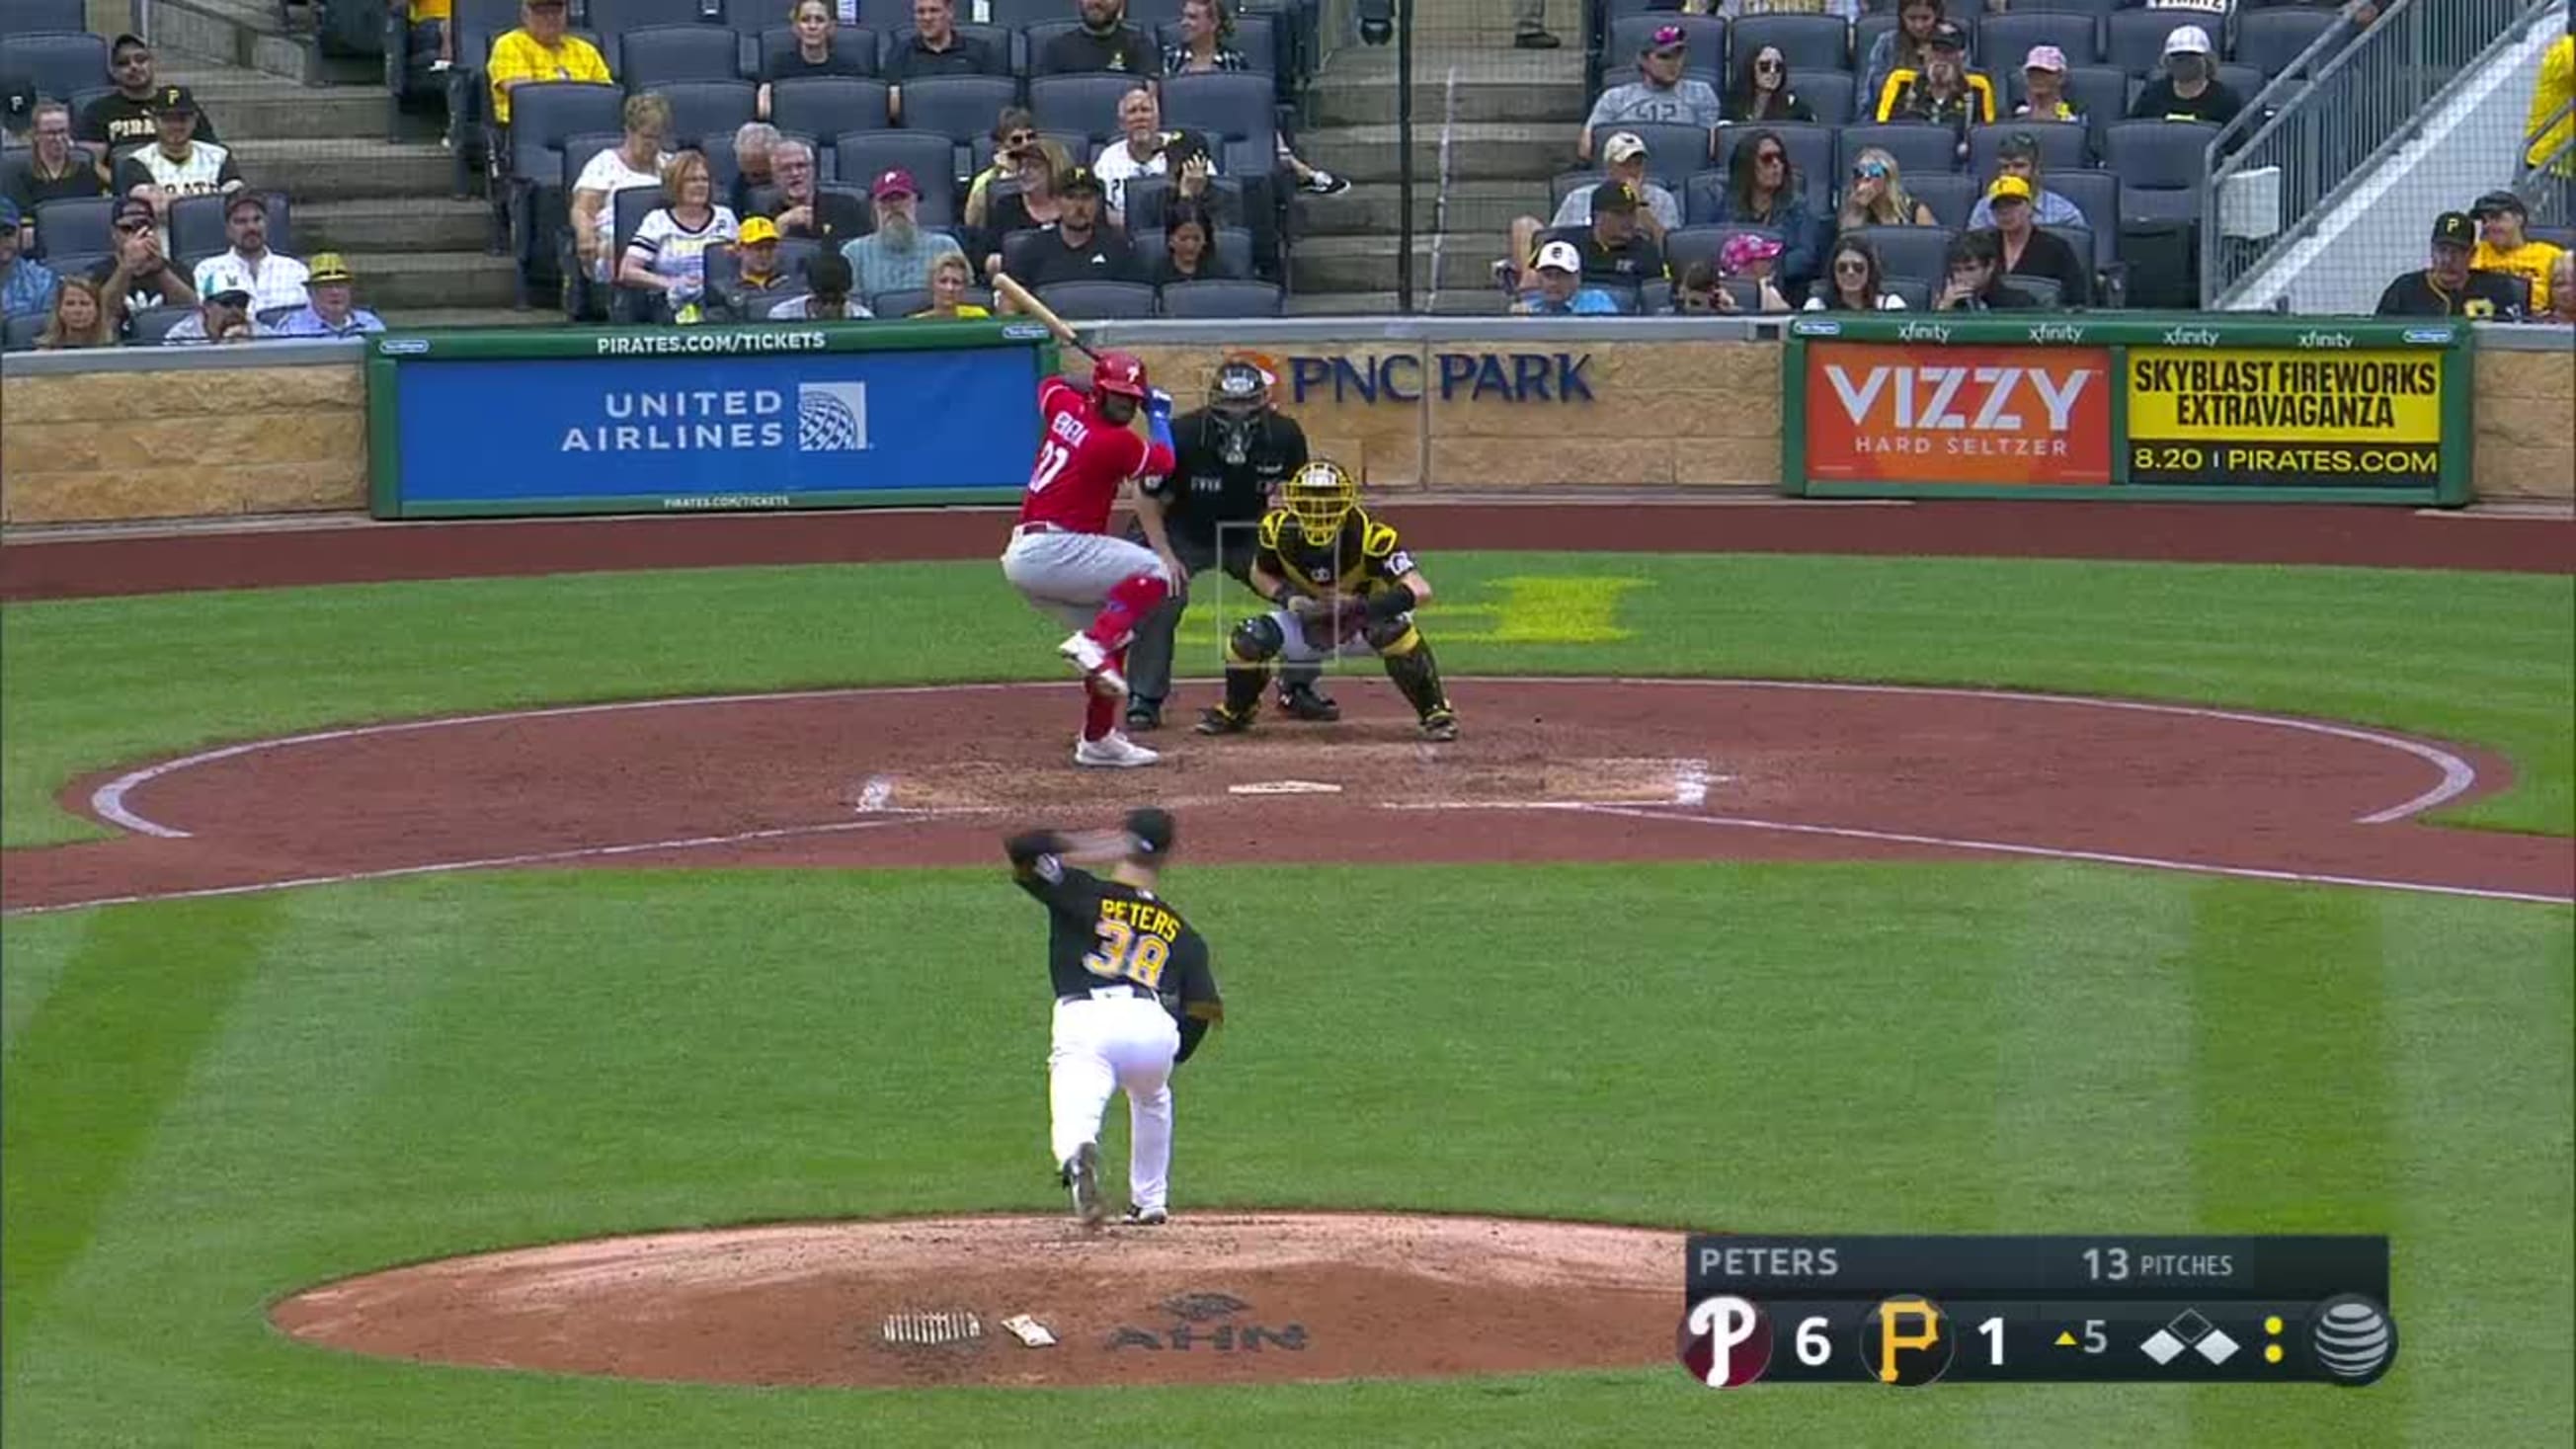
(1744, 249)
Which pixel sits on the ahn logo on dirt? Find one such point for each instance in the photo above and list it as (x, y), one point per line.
(1976, 415)
(1208, 1323)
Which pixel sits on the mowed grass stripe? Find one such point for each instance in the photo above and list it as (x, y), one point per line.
(102, 1060)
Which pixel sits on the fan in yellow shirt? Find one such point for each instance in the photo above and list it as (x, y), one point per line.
(539, 50)
(2504, 247)
(2550, 124)
(950, 276)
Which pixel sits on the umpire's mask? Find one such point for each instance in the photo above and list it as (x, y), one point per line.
(1236, 402)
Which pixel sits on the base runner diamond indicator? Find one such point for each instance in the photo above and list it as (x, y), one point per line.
(2218, 1348)
(2162, 1347)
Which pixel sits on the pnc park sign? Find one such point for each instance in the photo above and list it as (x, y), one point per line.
(1403, 377)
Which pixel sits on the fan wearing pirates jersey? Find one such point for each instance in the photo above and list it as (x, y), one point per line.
(1341, 582)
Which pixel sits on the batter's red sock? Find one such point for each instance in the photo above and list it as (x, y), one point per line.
(1133, 598)
(1099, 717)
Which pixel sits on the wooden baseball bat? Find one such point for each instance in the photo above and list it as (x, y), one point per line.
(1022, 300)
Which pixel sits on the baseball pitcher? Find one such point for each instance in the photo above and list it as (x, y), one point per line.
(1342, 583)
(1133, 999)
(1062, 557)
(1233, 454)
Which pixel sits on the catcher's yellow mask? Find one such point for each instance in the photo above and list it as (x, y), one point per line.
(1321, 495)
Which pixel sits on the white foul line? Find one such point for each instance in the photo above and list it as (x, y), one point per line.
(107, 802)
(2098, 857)
(493, 862)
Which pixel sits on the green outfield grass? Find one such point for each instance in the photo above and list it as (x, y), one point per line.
(2483, 658)
(212, 1103)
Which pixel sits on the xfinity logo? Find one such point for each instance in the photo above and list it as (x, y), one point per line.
(2325, 339)
(2057, 332)
(1961, 399)
(2191, 337)
(1922, 332)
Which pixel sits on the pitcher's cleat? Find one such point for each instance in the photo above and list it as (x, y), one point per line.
(1146, 1217)
(1440, 726)
(1082, 1175)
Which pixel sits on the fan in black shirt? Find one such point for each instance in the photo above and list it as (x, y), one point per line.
(1077, 248)
(2189, 90)
(1976, 270)
(122, 119)
(2448, 288)
(817, 52)
(1105, 42)
(2026, 251)
(934, 46)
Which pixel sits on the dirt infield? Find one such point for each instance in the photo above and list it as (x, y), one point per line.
(1269, 1298)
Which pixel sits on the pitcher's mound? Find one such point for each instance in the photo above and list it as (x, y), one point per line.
(1203, 1299)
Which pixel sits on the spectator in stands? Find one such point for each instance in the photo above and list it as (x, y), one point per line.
(123, 118)
(331, 310)
(1207, 30)
(1104, 41)
(1764, 92)
(936, 47)
(249, 266)
(177, 164)
(818, 51)
(1762, 190)
(1944, 93)
(55, 170)
(1529, 26)
(27, 286)
(1854, 281)
(2028, 251)
(669, 252)
(81, 318)
(1907, 47)
(1560, 290)
(1014, 131)
(430, 30)
(222, 317)
(2549, 125)
(1613, 248)
(752, 173)
(1189, 245)
(2503, 246)
(2019, 156)
(1698, 290)
(1034, 205)
(1624, 160)
(896, 255)
(1877, 195)
(1144, 153)
(1661, 93)
(804, 208)
(827, 294)
(1750, 257)
(950, 276)
(2562, 288)
(2449, 288)
(1078, 248)
(140, 274)
(2043, 76)
(539, 50)
(2189, 90)
(757, 285)
(1975, 266)
(637, 160)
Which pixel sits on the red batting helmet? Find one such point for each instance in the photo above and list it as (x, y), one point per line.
(1119, 372)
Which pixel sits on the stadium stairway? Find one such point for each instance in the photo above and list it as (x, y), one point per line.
(1491, 127)
(313, 126)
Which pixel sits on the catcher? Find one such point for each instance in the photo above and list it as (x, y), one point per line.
(1342, 582)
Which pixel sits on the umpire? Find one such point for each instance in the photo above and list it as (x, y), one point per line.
(1232, 453)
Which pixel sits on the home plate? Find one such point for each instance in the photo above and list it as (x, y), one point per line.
(1284, 787)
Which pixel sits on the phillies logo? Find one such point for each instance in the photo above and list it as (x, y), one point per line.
(1726, 1342)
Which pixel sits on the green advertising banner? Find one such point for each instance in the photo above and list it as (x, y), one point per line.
(2147, 406)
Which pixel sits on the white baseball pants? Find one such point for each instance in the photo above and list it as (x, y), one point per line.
(1114, 1040)
(1069, 575)
(1298, 647)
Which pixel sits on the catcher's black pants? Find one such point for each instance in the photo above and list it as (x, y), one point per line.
(1149, 658)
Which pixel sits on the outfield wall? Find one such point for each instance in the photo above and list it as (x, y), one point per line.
(1483, 404)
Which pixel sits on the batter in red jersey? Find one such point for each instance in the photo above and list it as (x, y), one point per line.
(1063, 559)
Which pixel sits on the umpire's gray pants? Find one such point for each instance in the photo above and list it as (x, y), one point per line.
(1149, 657)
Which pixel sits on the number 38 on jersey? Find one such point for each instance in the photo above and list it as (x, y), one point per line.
(1135, 942)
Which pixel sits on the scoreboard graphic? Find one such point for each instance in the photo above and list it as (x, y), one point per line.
(1910, 1311)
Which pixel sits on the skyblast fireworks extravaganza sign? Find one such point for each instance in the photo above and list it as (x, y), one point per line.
(2140, 407)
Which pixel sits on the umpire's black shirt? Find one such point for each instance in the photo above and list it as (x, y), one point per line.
(1205, 492)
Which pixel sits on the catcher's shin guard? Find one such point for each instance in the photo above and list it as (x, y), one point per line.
(1416, 674)
(1243, 685)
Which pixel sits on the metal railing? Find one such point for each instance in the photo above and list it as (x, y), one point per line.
(2548, 186)
(2327, 121)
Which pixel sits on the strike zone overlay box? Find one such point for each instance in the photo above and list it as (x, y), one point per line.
(2319, 410)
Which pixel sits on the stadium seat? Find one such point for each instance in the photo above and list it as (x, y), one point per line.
(1828, 93)
(909, 300)
(1950, 194)
(1673, 152)
(1914, 291)
(1810, 42)
(1086, 102)
(1226, 298)
(27, 17)
(74, 225)
(1917, 148)
(660, 55)
(1629, 35)
(2094, 8)
(2161, 166)
(2245, 80)
(22, 331)
(1087, 300)
(1238, 109)
(56, 62)
(960, 107)
(1233, 250)
(856, 42)
(1655, 297)
(2097, 195)
(1865, 33)
(617, 17)
(2004, 41)
(2063, 145)
(828, 105)
(152, 325)
(1225, 199)
(2134, 40)
(1908, 251)
(701, 110)
(2563, 237)
(2269, 40)
(1002, 43)
(2042, 290)
(865, 155)
(197, 227)
(1019, 14)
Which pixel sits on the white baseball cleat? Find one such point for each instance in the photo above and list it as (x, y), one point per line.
(1085, 654)
(1113, 751)
(1082, 1174)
